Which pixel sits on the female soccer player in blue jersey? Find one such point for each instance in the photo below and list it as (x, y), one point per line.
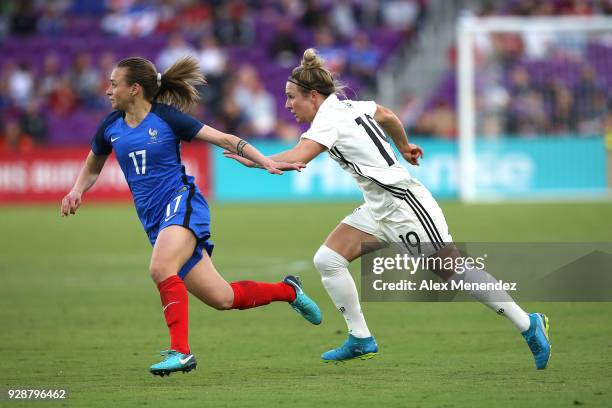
(397, 206)
(145, 131)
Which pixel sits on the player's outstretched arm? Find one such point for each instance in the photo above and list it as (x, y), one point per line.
(301, 153)
(86, 179)
(394, 128)
(247, 154)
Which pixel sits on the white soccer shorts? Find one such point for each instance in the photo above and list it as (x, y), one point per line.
(417, 222)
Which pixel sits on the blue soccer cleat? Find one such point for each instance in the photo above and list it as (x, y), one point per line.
(173, 362)
(537, 339)
(353, 348)
(302, 303)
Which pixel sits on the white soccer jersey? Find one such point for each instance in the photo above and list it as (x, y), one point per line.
(354, 139)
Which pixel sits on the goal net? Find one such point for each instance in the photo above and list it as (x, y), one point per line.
(534, 107)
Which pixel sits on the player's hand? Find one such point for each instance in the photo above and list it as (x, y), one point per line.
(272, 164)
(412, 154)
(242, 160)
(70, 203)
(275, 167)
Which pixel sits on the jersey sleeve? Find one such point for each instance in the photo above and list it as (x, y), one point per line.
(367, 107)
(99, 145)
(322, 132)
(184, 126)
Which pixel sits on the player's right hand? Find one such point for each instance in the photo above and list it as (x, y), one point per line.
(70, 203)
(412, 154)
(242, 160)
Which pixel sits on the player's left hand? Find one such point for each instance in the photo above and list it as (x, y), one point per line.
(273, 166)
(412, 154)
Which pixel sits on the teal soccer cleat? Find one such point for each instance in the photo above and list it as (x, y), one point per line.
(537, 339)
(302, 303)
(352, 349)
(173, 362)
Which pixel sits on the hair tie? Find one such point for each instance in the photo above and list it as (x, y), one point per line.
(159, 79)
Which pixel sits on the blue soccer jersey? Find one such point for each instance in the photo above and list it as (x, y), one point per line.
(150, 158)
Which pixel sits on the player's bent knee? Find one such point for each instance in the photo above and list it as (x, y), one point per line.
(221, 302)
(328, 262)
(159, 273)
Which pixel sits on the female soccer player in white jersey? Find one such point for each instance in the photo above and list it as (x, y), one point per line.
(397, 206)
(145, 131)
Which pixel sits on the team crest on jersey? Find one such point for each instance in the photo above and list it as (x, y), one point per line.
(153, 134)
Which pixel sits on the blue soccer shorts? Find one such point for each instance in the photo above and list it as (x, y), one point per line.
(188, 209)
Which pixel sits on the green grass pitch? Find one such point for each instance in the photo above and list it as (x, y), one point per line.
(79, 312)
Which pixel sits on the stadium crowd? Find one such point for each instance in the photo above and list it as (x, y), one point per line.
(528, 84)
(58, 56)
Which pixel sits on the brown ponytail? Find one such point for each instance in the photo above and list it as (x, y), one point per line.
(175, 87)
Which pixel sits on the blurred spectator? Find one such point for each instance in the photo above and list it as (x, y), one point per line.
(176, 49)
(401, 14)
(231, 118)
(50, 76)
(291, 10)
(24, 19)
(492, 102)
(213, 62)
(53, 19)
(313, 16)
(138, 19)
(576, 8)
(563, 115)
(590, 122)
(363, 61)
(538, 43)
(196, 19)
(410, 108)
(7, 8)
(287, 131)
(605, 7)
(527, 115)
(5, 100)
(13, 140)
(70, 77)
(508, 47)
(584, 92)
(284, 48)
(257, 103)
(333, 55)
(211, 58)
(438, 122)
(520, 81)
(63, 100)
(34, 123)
(343, 18)
(85, 79)
(554, 101)
(21, 84)
(234, 23)
(369, 14)
(525, 112)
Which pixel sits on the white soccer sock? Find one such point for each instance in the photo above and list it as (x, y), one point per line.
(500, 301)
(341, 288)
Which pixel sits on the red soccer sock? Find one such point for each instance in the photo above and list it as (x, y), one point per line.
(176, 310)
(249, 294)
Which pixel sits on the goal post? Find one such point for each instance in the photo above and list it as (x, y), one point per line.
(521, 110)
